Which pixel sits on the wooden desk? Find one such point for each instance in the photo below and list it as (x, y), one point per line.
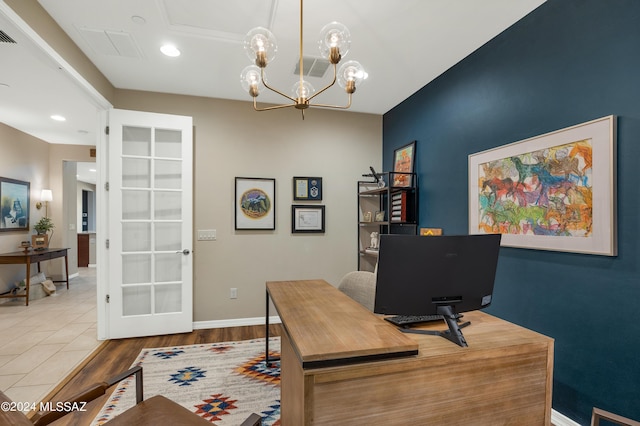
(30, 257)
(328, 374)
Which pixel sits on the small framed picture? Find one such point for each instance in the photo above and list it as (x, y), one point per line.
(255, 203)
(404, 165)
(307, 219)
(367, 217)
(14, 205)
(307, 188)
(380, 216)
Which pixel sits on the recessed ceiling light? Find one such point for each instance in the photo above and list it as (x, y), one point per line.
(58, 117)
(92, 170)
(170, 50)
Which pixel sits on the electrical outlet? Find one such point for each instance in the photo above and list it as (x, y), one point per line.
(233, 294)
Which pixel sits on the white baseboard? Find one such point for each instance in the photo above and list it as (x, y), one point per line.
(558, 419)
(199, 325)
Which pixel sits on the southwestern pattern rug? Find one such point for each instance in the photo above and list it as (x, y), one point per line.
(221, 382)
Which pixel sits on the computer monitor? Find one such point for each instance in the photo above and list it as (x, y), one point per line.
(436, 275)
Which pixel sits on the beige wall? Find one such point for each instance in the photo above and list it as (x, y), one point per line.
(23, 158)
(230, 140)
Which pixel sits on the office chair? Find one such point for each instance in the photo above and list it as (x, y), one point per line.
(599, 414)
(360, 286)
(155, 410)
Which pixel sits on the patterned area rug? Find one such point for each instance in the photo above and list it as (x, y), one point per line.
(221, 382)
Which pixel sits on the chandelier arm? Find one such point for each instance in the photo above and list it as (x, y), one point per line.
(328, 86)
(347, 106)
(255, 106)
(273, 89)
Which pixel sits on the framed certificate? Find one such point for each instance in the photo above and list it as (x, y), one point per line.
(307, 219)
(307, 188)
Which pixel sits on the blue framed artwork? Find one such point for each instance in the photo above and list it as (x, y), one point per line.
(14, 205)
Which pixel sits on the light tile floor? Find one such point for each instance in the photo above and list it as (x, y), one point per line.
(42, 343)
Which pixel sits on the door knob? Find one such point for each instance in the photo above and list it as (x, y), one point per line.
(185, 252)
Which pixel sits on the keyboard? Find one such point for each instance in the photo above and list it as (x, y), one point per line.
(407, 320)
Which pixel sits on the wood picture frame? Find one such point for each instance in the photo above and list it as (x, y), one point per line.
(14, 205)
(404, 165)
(307, 219)
(553, 192)
(255, 203)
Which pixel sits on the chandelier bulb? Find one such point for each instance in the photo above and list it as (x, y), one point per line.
(251, 80)
(350, 75)
(302, 90)
(260, 45)
(334, 42)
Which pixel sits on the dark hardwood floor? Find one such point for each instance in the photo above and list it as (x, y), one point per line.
(116, 356)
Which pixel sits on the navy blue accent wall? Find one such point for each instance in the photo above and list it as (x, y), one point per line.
(567, 62)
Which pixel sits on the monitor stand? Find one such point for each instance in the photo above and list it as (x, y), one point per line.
(454, 333)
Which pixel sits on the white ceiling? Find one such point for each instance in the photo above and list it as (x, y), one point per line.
(403, 45)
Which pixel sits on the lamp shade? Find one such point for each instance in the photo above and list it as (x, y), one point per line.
(46, 195)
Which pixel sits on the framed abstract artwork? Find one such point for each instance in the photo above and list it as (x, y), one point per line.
(555, 192)
(404, 165)
(255, 203)
(306, 218)
(14, 205)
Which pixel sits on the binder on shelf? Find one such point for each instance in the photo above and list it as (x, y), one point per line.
(399, 217)
(399, 207)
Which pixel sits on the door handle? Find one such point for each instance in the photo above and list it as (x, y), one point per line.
(185, 252)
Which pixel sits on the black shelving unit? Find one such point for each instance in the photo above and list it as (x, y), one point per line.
(388, 209)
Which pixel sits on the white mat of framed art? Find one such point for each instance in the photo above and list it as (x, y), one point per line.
(554, 192)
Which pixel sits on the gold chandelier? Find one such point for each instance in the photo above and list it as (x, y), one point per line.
(335, 40)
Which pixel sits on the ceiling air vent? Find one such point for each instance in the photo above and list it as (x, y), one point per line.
(313, 67)
(4, 38)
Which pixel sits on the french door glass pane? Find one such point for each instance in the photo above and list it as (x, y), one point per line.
(136, 205)
(168, 236)
(168, 298)
(168, 267)
(136, 268)
(136, 141)
(168, 205)
(136, 173)
(136, 236)
(168, 174)
(168, 143)
(136, 300)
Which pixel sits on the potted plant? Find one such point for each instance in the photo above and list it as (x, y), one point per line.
(40, 241)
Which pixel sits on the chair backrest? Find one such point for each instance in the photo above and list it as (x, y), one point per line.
(599, 414)
(360, 286)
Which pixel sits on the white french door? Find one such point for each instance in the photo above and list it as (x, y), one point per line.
(150, 233)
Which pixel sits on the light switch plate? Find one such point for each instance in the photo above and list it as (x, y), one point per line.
(206, 235)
